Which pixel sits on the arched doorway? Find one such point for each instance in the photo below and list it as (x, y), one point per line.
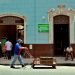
(11, 27)
(61, 34)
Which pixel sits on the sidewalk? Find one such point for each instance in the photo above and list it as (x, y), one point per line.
(59, 61)
(8, 62)
(62, 61)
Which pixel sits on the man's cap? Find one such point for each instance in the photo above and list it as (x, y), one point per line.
(19, 41)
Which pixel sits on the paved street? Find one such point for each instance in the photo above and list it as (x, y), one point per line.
(27, 70)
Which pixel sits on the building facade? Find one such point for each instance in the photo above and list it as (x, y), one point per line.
(46, 26)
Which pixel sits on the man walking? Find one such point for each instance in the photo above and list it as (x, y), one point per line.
(17, 52)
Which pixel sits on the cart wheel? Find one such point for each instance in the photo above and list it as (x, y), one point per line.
(54, 66)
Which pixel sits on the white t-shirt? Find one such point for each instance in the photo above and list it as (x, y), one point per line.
(69, 49)
(8, 45)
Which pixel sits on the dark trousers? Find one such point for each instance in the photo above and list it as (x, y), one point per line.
(8, 54)
(69, 54)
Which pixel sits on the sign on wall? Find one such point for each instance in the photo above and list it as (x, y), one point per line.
(43, 27)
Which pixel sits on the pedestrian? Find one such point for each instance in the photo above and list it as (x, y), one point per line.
(8, 45)
(5, 52)
(69, 52)
(17, 53)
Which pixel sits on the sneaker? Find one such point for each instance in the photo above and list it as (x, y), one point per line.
(23, 65)
(12, 67)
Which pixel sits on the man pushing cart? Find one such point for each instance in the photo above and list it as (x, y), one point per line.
(17, 53)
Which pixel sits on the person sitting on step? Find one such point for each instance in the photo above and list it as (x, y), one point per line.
(69, 52)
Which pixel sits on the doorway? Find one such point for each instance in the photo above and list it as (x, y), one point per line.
(10, 27)
(8, 31)
(61, 34)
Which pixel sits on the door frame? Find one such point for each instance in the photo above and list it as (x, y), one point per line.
(17, 16)
(61, 10)
(60, 20)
